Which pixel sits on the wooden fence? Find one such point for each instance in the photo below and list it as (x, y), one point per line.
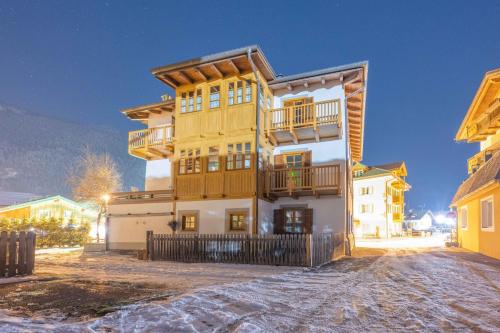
(283, 250)
(17, 253)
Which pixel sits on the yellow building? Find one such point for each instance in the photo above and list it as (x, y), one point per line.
(477, 200)
(51, 207)
(238, 149)
(379, 199)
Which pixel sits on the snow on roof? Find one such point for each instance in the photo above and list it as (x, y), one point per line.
(13, 198)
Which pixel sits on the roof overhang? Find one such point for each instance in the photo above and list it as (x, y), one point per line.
(354, 78)
(142, 112)
(487, 93)
(214, 66)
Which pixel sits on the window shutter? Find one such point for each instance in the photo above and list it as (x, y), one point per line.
(308, 221)
(279, 221)
(307, 158)
(279, 161)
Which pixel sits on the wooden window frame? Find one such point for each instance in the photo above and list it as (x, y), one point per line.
(190, 99)
(466, 227)
(237, 211)
(210, 156)
(185, 160)
(492, 227)
(237, 92)
(234, 157)
(191, 213)
(218, 100)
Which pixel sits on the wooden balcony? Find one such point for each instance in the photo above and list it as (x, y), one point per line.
(396, 199)
(397, 217)
(487, 124)
(151, 143)
(141, 197)
(313, 122)
(476, 161)
(306, 181)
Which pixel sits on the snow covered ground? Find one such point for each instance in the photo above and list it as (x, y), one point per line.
(383, 290)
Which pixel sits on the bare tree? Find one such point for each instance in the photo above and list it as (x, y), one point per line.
(94, 177)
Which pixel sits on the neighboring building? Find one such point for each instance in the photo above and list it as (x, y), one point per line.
(379, 199)
(420, 220)
(51, 207)
(12, 198)
(477, 200)
(201, 149)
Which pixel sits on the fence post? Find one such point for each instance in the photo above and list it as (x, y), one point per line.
(149, 245)
(12, 253)
(309, 250)
(21, 262)
(30, 255)
(3, 253)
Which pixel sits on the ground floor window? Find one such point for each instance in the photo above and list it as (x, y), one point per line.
(487, 213)
(237, 220)
(463, 217)
(189, 221)
(293, 220)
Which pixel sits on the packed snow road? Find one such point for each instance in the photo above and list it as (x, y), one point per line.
(431, 290)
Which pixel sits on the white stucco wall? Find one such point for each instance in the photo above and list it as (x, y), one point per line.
(266, 216)
(128, 232)
(380, 218)
(158, 175)
(212, 213)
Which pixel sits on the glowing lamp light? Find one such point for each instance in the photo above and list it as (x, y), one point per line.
(105, 197)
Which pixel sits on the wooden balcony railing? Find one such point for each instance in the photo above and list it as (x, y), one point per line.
(476, 161)
(151, 142)
(397, 217)
(487, 124)
(312, 115)
(313, 180)
(396, 199)
(141, 197)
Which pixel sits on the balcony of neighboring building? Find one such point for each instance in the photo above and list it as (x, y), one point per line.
(487, 124)
(397, 217)
(136, 197)
(302, 120)
(476, 161)
(397, 199)
(152, 143)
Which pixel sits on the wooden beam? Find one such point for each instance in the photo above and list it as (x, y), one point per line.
(200, 73)
(185, 77)
(234, 67)
(217, 71)
(294, 136)
(169, 80)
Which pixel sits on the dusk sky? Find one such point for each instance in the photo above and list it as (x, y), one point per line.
(86, 60)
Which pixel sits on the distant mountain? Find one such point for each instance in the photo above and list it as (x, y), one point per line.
(37, 151)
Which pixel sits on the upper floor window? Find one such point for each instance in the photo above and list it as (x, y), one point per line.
(189, 161)
(238, 156)
(365, 190)
(214, 97)
(239, 92)
(487, 213)
(366, 208)
(191, 101)
(213, 159)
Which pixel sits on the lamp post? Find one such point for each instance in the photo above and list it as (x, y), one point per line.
(105, 198)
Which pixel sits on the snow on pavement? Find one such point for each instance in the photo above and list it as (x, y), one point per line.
(404, 289)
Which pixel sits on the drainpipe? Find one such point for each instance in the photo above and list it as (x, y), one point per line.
(347, 162)
(257, 137)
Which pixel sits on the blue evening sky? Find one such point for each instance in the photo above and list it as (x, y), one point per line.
(86, 60)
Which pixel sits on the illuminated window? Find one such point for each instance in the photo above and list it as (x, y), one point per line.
(213, 159)
(214, 97)
(189, 222)
(238, 221)
(487, 214)
(189, 161)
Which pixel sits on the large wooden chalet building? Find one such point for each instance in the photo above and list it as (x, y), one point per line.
(240, 149)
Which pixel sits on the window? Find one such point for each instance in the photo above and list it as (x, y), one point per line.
(238, 221)
(238, 156)
(248, 91)
(189, 161)
(294, 161)
(487, 214)
(44, 213)
(463, 217)
(198, 99)
(214, 97)
(189, 99)
(213, 159)
(366, 190)
(68, 214)
(366, 208)
(235, 92)
(189, 222)
(261, 96)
